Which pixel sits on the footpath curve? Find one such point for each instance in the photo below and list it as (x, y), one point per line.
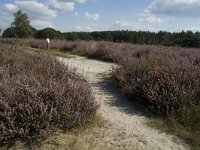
(126, 128)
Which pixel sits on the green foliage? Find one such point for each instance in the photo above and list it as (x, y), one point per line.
(34, 32)
(75, 36)
(9, 33)
(49, 33)
(183, 39)
(21, 27)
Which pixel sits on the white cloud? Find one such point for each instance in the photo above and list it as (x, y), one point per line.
(151, 20)
(81, 1)
(141, 24)
(124, 24)
(169, 15)
(60, 5)
(76, 13)
(159, 14)
(40, 13)
(87, 28)
(90, 27)
(40, 24)
(174, 8)
(195, 28)
(95, 16)
(78, 1)
(5, 19)
(11, 7)
(35, 9)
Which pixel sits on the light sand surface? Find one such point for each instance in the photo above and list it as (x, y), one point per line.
(127, 127)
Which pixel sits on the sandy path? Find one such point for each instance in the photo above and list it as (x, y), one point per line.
(127, 127)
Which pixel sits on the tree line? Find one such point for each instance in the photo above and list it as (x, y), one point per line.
(183, 38)
(21, 28)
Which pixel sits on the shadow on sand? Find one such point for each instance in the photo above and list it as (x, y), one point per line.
(115, 98)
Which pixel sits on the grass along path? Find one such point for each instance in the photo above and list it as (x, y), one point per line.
(127, 127)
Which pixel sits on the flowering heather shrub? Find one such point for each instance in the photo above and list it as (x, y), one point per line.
(99, 50)
(165, 80)
(103, 49)
(38, 94)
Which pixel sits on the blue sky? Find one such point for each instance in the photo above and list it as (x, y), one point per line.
(102, 15)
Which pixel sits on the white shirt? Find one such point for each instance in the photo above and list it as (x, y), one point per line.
(48, 41)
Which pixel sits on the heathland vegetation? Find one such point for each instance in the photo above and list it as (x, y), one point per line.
(165, 80)
(39, 95)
